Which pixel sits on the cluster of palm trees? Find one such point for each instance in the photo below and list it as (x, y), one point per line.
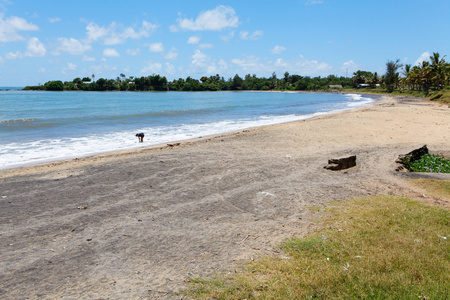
(429, 75)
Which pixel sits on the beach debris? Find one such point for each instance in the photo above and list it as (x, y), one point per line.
(341, 163)
(248, 235)
(346, 268)
(442, 237)
(173, 145)
(267, 194)
(4, 197)
(324, 237)
(82, 207)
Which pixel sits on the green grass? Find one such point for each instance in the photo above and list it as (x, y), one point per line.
(383, 247)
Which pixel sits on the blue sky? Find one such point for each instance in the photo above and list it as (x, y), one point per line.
(61, 40)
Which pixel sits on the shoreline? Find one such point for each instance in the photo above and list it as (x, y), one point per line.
(47, 161)
(137, 224)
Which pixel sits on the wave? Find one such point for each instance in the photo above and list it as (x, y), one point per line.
(18, 121)
(30, 123)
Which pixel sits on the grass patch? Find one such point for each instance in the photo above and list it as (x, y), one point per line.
(431, 163)
(382, 247)
(442, 96)
(436, 188)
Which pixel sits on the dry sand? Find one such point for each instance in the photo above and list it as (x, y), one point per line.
(136, 224)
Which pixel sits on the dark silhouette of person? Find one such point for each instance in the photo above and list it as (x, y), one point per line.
(140, 137)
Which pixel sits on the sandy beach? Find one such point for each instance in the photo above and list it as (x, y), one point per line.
(136, 224)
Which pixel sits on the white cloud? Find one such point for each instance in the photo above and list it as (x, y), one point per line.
(215, 19)
(300, 65)
(54, 20)
(115, 34)
(251, 64)
(350, 67)
(228, 37)
(71, 46)
(71, 66)
(88, 58)
(205, 46)
(35, 48)
(10, 28)
(95, 32)
(277, 49)
(172, 55)
(110, 52)
(203, 64)
(424, 57)
(133, 52)
(173, 28)
(223, 64)
(170, 69)
(13, 55)
(194, 40)
(245, 35)
(314, 2)
(151, 68)
(156, 47)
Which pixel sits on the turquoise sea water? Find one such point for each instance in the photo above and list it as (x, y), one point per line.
(38, 126)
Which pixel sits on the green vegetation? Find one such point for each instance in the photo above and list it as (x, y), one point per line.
(381, 247)
(430, 163)
(212, 83)
(442, 96)
(429, 79)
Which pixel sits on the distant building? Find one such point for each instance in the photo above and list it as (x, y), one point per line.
(335, 86)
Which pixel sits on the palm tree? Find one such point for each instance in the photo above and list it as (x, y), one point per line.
(438, 69)
(425, 75)
(373, 80)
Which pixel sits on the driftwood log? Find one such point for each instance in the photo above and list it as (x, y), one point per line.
(414, 155)
(341, 163)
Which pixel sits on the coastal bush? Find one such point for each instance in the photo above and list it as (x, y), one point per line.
(430, 163)
(381, 247)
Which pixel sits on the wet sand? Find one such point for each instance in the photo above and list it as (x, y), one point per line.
(136, 224)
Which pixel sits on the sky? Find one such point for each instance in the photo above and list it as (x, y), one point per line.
(62, 40)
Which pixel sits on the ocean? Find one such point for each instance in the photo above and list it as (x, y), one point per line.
(37, 126)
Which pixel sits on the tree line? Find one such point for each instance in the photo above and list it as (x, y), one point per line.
(429, 75)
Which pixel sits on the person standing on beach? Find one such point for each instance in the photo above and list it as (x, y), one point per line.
(140, 137)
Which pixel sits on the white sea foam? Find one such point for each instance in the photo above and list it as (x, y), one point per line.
(357, 100)
(16, 154)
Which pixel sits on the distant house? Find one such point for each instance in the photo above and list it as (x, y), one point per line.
(335, 86)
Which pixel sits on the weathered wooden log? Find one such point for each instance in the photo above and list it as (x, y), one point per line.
(341, 163)
(412, 156)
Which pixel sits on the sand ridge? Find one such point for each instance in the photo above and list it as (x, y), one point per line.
(136, 224)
